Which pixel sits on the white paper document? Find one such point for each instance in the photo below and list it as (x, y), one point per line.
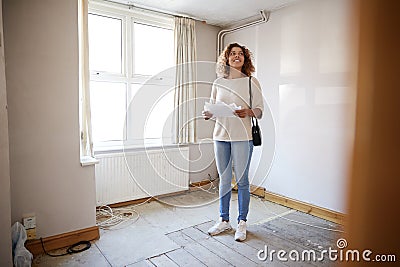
(221, 109)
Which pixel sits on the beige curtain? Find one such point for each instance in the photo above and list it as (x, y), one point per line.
(185, 81)
(84, 92)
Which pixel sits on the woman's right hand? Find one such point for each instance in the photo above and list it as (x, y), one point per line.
(206, 115)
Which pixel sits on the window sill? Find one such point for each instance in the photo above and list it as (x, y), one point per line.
(88, 161)
(204, 141)
(148, 145)
(132, 148)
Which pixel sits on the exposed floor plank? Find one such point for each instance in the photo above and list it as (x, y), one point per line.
(218, 248)
(166, 235)
(227, 239)
(184, 258)
(143, 263)
(258, 239)
(198, 251)
(163, 261)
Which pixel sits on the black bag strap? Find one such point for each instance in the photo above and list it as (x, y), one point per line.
(251, 104)
(251, 97)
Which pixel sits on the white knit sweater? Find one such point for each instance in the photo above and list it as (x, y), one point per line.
(235, 91)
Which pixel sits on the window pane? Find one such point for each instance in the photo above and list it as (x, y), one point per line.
(159, 120)
(150, 112)
(108, 106)
(105, 43)
(153, 49)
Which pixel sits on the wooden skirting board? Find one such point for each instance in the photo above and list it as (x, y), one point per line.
(62, 240)
(320, 212)
(142, 200)
(330, 215)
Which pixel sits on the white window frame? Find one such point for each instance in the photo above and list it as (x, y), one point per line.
(128, 16)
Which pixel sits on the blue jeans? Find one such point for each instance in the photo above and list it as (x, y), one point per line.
(236, 154)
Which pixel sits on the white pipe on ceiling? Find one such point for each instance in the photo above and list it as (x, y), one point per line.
(221, 34)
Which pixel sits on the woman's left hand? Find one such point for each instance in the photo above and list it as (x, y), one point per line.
(242, 113)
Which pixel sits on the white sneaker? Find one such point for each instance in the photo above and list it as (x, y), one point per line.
(219, 227)
(240, 234)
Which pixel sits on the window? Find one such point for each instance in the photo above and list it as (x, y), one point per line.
(159, 57)
(130, 60)
(106, 39)
(108, 106)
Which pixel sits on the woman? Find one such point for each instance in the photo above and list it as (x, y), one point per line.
(232, 137)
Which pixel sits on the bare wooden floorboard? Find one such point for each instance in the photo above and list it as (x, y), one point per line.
(228, 240)
(303, 237)
(259, 236)
(199, 248)
(285, 241)
(198, 251)
(257, 239)
(303, 233)
(184, 258)
(260, 239)
(242, 248)
(143, 263)
(206, 256)
(313, 219)
(331, 231)
(163, 261)
(288, 241)
(218, 248)
(180, 238)
(326, 231)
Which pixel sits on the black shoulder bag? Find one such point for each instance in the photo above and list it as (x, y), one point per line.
(255, 129)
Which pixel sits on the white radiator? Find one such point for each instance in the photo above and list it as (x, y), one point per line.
(133, 175)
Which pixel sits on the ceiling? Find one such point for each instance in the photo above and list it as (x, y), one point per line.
(221, 13)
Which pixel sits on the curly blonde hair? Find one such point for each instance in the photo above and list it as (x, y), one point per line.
(223, 67)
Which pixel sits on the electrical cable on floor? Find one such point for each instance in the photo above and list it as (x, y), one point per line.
(71, 249)
(294, 221)
(212, 189)
(108, 218)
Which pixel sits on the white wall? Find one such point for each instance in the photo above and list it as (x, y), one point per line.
(5, 205)
(202, 161)
(304, 63)
(42, 85)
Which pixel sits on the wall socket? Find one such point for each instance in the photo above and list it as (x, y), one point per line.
(31, 234)
(29, 223)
